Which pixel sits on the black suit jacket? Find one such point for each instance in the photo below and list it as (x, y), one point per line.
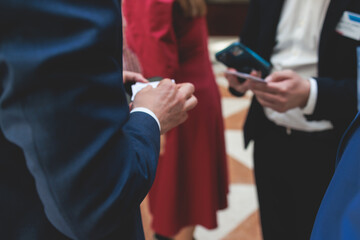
(337, 69)
(73, 163)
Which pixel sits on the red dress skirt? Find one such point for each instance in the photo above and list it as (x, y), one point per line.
(191, 182)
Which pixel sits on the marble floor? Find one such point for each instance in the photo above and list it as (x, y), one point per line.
(240, 221)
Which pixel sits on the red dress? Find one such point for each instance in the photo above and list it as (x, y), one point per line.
(191, 182)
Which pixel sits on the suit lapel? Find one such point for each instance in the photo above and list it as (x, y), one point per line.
(274, 11)
(333, 16)
(274, 19)
(271, 12)
(347, 135)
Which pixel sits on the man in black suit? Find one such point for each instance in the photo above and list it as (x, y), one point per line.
(297, 118)
(74, 162)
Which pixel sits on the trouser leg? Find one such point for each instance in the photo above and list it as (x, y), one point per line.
(292, 173)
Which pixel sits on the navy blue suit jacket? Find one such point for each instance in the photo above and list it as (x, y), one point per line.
(337, 69)
(339, 215)
(73, 162)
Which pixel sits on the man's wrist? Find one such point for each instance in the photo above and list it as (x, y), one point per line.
(309, 107)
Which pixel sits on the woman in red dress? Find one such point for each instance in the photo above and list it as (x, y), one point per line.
(170, 39)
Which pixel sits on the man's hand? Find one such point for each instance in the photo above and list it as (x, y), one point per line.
(234, 83)
(284, 90)
(132, 77)
(169, 102)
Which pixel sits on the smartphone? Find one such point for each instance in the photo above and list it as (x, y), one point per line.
(243, 59)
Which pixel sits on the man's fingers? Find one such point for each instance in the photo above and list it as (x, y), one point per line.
(145, 89)
(270, 87)
(133, 77)
(266, 104)
(258, 86)
(165, 81)
(187, 89)
(255, 73)
(280, 76)
(230, 77)
(140, 78)
(266, 100)
(190, 103)
(264, 96)
(275, 102)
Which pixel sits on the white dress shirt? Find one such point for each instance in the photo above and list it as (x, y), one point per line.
(298, 36)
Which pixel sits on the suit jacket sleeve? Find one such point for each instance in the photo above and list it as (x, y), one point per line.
(62, 101)
(336, 101)
(338, 216)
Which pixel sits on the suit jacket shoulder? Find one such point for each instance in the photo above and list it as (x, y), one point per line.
(338, 216)
(63, 108)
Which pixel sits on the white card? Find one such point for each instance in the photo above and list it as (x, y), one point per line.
(245, 76)
(349, 25)
(137, 87)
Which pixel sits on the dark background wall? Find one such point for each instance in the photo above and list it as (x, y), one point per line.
(226, 17)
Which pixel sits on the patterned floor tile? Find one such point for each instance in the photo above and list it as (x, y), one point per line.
(224, 92)
(242, 203)
(235, 147)
(231, 106)
(239, 173)
(248, 230)
(236, 120)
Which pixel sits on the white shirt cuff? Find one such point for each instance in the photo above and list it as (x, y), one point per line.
(148, 111)
(310, 105)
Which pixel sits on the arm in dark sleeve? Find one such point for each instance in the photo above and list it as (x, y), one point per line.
(337, 71)
(62, 101)
(337, 83)
(336, 101)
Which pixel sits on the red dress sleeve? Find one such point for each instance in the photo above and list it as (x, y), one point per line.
(150, 34)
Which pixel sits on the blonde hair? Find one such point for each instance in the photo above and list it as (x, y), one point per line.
(193, 8)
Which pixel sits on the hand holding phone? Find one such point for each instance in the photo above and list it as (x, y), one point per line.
(243, 59)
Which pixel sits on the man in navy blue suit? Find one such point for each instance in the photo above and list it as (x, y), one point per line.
(296, 120)
(74, 163)
(339, 214)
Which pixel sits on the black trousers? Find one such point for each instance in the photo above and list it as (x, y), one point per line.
(292, 172)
